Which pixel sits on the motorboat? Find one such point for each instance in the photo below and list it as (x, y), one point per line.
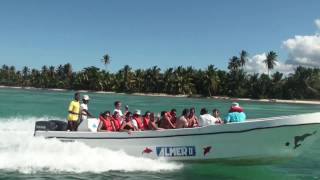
(263, 139)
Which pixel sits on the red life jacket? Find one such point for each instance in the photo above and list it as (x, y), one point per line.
(139, 122)
(117, 124)
(146, 122)
(107, 123)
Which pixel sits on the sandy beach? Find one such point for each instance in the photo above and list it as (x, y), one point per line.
(179, 95)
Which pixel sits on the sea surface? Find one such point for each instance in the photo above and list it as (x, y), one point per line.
(23, 156)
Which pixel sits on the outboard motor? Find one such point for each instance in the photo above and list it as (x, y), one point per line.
(52, 125)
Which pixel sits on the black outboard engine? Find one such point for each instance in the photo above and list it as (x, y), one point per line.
(52, 125)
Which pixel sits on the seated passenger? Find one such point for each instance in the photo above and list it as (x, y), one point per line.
(165, 121)
(116, 119)
(192, 119)
(216, 114)
(235, 114)
(105, 122)
(127, 124)
(146, 119)
(205, 118)
(182, 122)
(152, 122)
(137, 118)
(173, 116)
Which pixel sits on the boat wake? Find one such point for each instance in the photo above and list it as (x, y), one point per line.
(20, 151)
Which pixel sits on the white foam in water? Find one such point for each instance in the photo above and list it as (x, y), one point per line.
(20, 151)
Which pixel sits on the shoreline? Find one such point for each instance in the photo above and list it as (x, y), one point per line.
(312, 102)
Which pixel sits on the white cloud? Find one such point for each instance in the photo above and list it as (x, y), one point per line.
(303, 50)
(317, 22)
(255, 64)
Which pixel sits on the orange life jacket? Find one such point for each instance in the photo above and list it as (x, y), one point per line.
(107, 123)
(139, 122)
(146, 122)
(117, 124)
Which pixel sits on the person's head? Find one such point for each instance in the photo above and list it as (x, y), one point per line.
(105, 114)
(137, 113)
(152, 116)
(185, 112)
(163, 113)
(203, 111)
(77, 96)
(216, 113)
(173, 112)
(192, 111)
(117, 104)
(128, 116)
(85, 99)
(116, 114)
(147, 114)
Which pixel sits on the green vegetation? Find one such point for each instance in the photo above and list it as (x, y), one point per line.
(304, 83)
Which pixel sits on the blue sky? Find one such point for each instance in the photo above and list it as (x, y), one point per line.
(143, 33)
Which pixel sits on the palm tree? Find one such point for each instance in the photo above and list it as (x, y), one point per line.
(234, 63)
(106, 59)
(243, 58)
(270, 60)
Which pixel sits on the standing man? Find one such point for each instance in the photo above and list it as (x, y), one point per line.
(74, 111)
(84, 108)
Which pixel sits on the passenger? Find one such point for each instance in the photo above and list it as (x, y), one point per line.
(137, 118)
(74, 111)
(165, 121)
(216, 114)
(235, 114)
(182, 122)
(192, 119)
(117, 107)
(84, 109)
(126, 110)
(116, 119)
(205, 118)
(106, 123)
(127, 124)
(146, 119)
(173, 116)
(152, 122)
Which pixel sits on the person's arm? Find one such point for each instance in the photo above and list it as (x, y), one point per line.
(70, 109)
(169, 122)
(113, 126)
(87, 113)
(100, 126)
(122, 128)
(185, 124)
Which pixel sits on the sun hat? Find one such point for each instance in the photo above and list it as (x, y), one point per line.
(137, 112)
(86, 97)
(235, 104)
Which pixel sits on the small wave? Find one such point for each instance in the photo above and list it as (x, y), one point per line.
(20, 151)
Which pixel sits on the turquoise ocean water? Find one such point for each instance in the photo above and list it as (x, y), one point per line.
(24, 157)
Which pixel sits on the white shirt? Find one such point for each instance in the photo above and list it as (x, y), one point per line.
(83, 113)
(119, 111)
(134, 123)
(206, 119)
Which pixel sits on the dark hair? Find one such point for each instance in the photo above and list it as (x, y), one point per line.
(215, 110)
(163, 113)
(203, 111)
(128, 114)
(76, 94)
(173, 110)
(185, 112)
(145, 114)
(116, 103)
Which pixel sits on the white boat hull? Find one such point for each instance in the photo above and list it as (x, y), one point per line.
(262, 139)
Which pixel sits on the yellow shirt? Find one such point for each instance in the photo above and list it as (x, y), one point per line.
(75, 108)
